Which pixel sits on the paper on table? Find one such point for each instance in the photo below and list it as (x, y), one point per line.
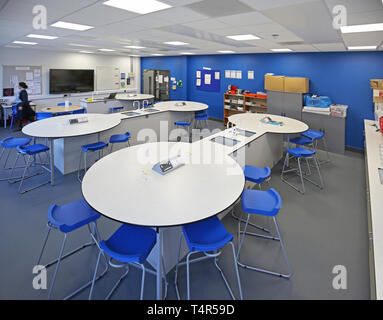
(216, 75)
(207, 79)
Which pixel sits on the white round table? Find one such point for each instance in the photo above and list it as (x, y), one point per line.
(252, 122)
(133, 96)
(189, 106)
(123, 187)
(59, 127)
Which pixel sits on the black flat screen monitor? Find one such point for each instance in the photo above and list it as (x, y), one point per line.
(70, 81)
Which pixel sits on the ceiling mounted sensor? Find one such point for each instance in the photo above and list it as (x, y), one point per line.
(219, 8)
(138, 6)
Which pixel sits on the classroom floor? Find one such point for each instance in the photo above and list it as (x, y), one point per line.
(320, 229)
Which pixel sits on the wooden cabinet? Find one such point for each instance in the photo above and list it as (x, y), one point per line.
(238, 103)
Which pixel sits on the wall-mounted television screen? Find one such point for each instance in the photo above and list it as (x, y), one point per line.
(70, 81)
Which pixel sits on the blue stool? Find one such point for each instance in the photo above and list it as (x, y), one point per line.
(10, 143)
(98, 146)
(257, 176)
(68, 218)
(43, 115)
(203, 237)
(78, 111)
(182, 124)
(30, 154)
(265, 203)
(199, 118)
(119, 138)
(316, 136)
(129, 245)
(115, 109)
(306, 154)
(62, 104)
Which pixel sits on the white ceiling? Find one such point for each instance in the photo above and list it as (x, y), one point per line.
(300, 25)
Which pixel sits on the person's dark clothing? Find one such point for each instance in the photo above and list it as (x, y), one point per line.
(26, 112)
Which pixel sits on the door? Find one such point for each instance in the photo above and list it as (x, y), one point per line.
(162, 90)
(148, 81)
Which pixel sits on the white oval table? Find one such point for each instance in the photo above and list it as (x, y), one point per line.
(59, 127)
(182, 106)
(252, 122)
(122, 186)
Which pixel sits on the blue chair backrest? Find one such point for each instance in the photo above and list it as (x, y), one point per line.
(79, 111)
(43, 115)
(61, 104)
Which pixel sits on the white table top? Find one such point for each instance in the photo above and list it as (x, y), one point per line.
(59, 127)
(373, 141)
(123, 187)
(252, 122)
(133, 96)
(190, 106)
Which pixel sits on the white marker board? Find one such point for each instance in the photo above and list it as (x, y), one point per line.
(107, 78)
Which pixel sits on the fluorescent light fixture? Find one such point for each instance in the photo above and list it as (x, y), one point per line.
(25, 42)
(82, 51)
(176, 43)
(134, 55)
(225, 51)
(362, 28)
(362, 47)
(71, 26)
(281, 50)
(243, 37)
(106, 50)
(79, 45)
(187, 53)
(157, 54)
(138, 6)
(134, 47)
(39, 36)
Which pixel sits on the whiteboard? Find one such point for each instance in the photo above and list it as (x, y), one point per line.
(31, 75)
(107, 78)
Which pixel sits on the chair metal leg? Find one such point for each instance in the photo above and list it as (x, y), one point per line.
(250, 223)
(142, 282)
(57, 267)
(117, 283)
(176, 271)
(288, 275)
(302, 191)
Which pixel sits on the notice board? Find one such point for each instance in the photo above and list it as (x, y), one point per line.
(31, 75)
(208, 80)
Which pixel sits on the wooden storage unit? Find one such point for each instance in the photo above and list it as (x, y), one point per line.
(239, 103)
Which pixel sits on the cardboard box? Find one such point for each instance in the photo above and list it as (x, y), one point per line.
(376, 84)
(294, 84)
(378, 96)
(274, 83)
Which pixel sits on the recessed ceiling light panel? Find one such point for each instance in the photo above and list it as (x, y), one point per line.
(243, 37)
(362, 48)
(176, 43)
(71, 26)
(362, 28)
(25, 42)
(39, 36)
(138, 6)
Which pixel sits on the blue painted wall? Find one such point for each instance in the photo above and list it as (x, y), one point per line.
(343, 76)
(178, 69)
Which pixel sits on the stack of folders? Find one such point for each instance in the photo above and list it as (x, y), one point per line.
(319, 110)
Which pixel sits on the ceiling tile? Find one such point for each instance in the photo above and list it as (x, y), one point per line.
(219, 8)
(356, 6)
(363, 38)
(245, 19)
(177, 15)
(337, 46)
(207, 24)
(365, 17)
(270, 4)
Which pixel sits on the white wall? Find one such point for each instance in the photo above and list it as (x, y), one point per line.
(66, 60)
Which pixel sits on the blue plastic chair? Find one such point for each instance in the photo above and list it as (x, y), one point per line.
(11, 143)
(61, 104)
(97, 146)
(119, 138)
(316, 136)
(14, 116)
(115, 109)
(265, 203)
(200, 117)
(78, 111)
(301, 153)
(182, 124)
(129, 245)
(208, 236)
(30, 154)
(257, 176)
(68, 218)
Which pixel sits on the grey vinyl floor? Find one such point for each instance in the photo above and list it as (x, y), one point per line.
(321, 229)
